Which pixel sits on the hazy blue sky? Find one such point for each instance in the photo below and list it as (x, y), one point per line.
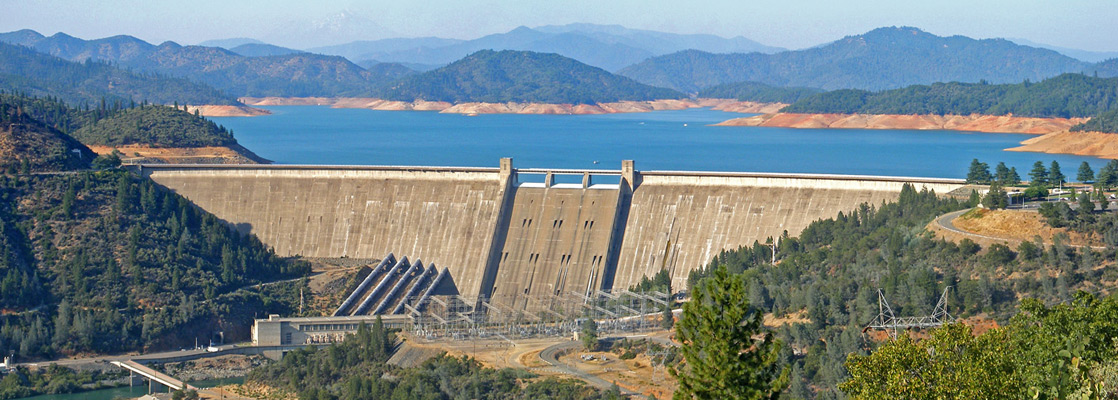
(1083, 24)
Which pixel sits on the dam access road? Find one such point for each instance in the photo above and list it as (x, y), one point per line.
(507, 234)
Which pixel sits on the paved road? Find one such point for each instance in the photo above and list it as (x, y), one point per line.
(946, 221)
(550, 355)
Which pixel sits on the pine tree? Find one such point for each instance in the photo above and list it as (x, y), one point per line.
(979, 172)
(1055, 177)
(1039, 175)
(723, 361)
(1014, 178)
(589, 334)
(1001, 173)
(1086, 174)
(667, 319)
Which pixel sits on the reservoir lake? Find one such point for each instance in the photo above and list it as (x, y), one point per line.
(661, 140)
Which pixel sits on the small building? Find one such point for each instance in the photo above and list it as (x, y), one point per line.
(276, 331)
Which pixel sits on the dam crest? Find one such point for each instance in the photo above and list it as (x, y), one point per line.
(507, 234)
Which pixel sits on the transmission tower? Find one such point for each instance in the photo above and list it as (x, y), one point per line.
(889, 322)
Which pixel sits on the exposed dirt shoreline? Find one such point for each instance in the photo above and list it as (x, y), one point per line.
(728, 105)
(1055, 137)
(1092, 144)
(971, 123)
(136, 154)
(227, 111)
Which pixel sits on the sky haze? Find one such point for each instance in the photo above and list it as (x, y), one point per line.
(1080, 24)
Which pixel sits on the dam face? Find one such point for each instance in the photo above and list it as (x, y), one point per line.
(507, 240)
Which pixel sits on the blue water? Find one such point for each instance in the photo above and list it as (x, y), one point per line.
(126, 392)
(663, 140)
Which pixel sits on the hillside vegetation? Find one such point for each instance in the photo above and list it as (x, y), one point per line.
(1104, 122)
(27, 145)
(105, 262)
(118, 124)
(883, 58)
(157, 126)
(519, 76)
(27, 71)
(759, 92)
(832, 271)
(1065, 96)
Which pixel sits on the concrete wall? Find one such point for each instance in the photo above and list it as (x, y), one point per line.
(557, 242)
(514, 241)
(681, 220)
(440, 215)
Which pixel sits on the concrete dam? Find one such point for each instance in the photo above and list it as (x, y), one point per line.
(506, 233)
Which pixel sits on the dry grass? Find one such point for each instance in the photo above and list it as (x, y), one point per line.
(1016, 226)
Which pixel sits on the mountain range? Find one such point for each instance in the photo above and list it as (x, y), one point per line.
(884, 58)
(26, 71)
(610, 47)
(525, 77)
(291, 74)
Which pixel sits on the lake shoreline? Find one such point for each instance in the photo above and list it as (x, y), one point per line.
(1054, 135)
(474, 108)
(968, 123)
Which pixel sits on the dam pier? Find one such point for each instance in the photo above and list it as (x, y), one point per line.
(504, 234)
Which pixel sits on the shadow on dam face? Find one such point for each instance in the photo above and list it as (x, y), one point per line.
(507, 239)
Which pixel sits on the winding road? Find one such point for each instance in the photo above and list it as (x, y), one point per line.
(946, 222)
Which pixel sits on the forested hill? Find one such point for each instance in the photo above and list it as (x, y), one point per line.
(884, 58)
(28, 145)
(107, 262)
(157, 126)
(293, 74)
(830, 275)
(759, 92)
(27, 71)
(1067, 95)
(117, 124)
(522, 76)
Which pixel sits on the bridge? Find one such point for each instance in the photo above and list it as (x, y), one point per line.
(154, 377)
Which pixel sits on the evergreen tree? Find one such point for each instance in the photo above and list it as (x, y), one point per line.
(1039, 175)
(979, 172)
(1014, 178)
(589, 334)
(1086, 174)
(1001, 173)
(667, 319)
(995, 198)
(1055, 177)
(723, 360)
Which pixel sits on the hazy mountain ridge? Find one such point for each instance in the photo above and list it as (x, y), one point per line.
(263, 50)
(297, 74)
(25, 70)
(1079, 54)
(520, 76)
(883, 58)
(610, 47)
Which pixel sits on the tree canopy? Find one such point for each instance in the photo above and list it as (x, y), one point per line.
(723, 360)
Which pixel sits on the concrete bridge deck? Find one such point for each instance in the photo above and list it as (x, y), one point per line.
(153, 375)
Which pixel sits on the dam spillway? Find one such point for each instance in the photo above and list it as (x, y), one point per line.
(506, 238)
